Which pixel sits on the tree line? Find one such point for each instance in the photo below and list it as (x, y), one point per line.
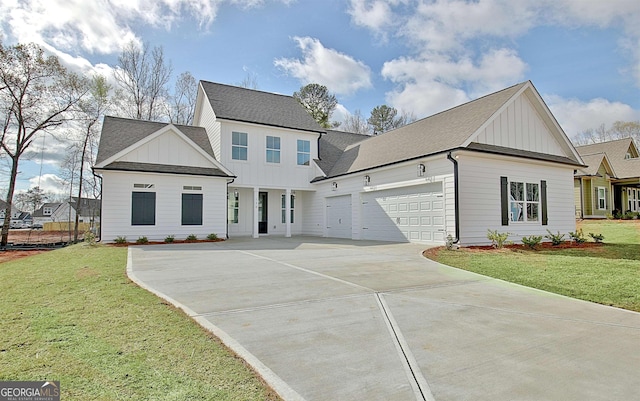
(39, 96)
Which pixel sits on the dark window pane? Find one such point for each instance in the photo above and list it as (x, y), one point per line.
(191, 209)
(143, 208)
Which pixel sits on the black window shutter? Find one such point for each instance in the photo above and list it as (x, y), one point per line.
(543, 202)
(504, 200)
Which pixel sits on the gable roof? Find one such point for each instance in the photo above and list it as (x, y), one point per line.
(252, 106)
(448, 130)
(593, 163)
(119, 134)
(40, 212)
(332, 145)
(616, 151)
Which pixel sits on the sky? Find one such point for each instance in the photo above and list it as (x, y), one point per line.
(419, 56)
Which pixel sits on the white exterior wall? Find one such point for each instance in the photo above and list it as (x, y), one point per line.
(244, 226)
(480, 207)
(255, 171)
(205, 117)
(438, 168)
(116, 210)
(519, 126)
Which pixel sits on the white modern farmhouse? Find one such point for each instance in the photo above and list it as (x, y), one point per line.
(256, 163)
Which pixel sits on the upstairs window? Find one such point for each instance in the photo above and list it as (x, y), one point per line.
(239, 145)
(273, 149)
(47, 210)
(304, 152)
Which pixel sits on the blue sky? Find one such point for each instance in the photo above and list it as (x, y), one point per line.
(419, 56)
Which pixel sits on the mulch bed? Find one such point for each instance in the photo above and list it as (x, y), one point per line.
(176, 241)
(432, 253)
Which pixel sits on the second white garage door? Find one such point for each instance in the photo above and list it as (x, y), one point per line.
(414, 214)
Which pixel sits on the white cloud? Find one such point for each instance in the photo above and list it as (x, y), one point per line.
(443, 32)
(339, 72)
(435, 83)
(50, 183)
(576, 116)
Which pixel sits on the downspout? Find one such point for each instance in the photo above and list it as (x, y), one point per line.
(99, 225)
(456, 197)
(228, 183)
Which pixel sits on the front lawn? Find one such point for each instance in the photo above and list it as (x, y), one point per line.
(607, 274)
(72, 315)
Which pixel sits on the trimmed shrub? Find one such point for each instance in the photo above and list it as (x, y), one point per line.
(192, 237)
(120, 239)
(169, 238)
(556, 239)
(142, 240)
(498, 240)
(578, 237)
(532, 241)
(597, 237)
(212, 236)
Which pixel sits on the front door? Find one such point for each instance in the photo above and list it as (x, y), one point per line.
(262, 212)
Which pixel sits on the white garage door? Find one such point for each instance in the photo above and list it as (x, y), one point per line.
(414, 214)
(339, 216)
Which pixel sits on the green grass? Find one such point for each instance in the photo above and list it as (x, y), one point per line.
(73, 315)
(609, 274)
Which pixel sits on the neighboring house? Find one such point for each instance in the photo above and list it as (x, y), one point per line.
(45, 212)
(619, 171)
(89, 211)
(15, 212)
(593, 187)
(499, 162)
(159, 179)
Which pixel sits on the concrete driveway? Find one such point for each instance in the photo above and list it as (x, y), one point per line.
(325, 319)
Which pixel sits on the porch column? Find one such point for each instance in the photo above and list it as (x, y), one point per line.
(287, 213)
(256, 217)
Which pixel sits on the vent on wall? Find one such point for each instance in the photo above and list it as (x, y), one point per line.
(145, 186)
(192, 188)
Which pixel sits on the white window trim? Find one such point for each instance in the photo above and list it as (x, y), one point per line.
(305, 153)
(524, 202)
(240, 146)
(278, 150)
(603, 197)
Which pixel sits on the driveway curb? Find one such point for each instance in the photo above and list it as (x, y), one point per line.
(274, 381)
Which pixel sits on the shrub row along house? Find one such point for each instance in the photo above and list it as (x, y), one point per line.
(610, 184)
(256, 163)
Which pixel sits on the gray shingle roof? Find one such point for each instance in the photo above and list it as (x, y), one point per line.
(593, 163)
(166, 169)
(248, 105)
(40, 212)
(616, 152)
(333, 144)
(120, 133)
(440, 132)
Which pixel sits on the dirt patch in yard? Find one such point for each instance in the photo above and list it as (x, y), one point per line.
(40, 236)
(6, 256)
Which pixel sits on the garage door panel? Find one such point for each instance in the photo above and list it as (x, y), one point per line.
(404, 214)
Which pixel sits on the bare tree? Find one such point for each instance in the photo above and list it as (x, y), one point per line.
(142, 78)
(92, 110)
(182, 103)
(37, 95)
(30, 200)
(356, 123)
(250, 81)
(619, 130)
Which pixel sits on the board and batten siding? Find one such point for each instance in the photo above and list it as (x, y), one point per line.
(168, 148)
(519, 126)
(480, 207)
(116, 205)
(206, 118)
(438, 169)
